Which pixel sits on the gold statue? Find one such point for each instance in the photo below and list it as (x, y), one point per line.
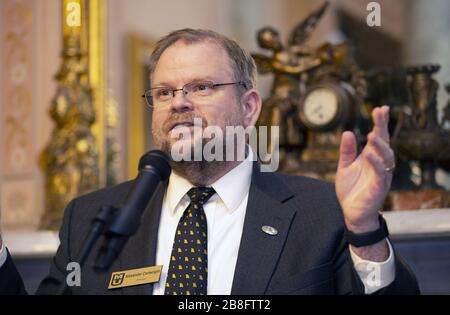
(70, 160)
(288, 64)
(298, 70)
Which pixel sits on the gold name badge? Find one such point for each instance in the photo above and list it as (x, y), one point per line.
(128, 278)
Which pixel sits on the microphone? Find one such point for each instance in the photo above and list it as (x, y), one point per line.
(154, 167)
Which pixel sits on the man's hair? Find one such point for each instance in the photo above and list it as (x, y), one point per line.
(242, 63)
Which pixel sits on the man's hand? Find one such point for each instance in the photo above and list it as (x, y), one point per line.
(363, 181)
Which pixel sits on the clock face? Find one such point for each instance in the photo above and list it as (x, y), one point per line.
(321, 106)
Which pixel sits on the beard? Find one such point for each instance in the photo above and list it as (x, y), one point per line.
(200, 172)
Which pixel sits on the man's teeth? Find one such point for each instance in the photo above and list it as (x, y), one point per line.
(182, 125)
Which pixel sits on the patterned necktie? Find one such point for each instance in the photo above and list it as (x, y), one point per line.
(188, 269)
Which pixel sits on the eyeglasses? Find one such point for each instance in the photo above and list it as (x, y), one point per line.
(194, 91)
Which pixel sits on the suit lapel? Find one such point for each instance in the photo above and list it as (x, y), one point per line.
(259, 251)
(140, 250)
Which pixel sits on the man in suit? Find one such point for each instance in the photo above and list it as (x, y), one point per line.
(225, 227)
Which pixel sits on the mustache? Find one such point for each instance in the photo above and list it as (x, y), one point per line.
(177, 118)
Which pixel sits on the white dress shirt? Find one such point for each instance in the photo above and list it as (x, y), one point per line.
(225, 213)
(3, 255)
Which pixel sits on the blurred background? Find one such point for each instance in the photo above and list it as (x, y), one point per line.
(72, 73)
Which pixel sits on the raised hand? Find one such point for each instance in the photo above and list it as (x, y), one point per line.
(363, 181)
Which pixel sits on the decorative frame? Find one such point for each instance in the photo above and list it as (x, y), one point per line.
(139, 115)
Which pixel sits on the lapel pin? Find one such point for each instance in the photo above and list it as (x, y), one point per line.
(269, 230)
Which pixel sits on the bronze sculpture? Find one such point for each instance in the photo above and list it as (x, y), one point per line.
(420, 137)
(288, 64)
(445, 164)
(296, 69)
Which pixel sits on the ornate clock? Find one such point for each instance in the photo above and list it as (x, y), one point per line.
(327, 106)
(326, 109)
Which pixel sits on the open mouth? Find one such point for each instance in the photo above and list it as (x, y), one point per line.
(179, 125)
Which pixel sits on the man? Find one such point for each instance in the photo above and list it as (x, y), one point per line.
(225, 227)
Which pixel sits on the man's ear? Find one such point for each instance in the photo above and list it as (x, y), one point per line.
(251, 104)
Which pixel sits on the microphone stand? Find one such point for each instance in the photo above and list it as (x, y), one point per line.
(118, 226)
(100, 224)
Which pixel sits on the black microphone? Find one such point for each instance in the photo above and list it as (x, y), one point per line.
(154, 167)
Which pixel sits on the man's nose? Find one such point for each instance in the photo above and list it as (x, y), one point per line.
(180, 101)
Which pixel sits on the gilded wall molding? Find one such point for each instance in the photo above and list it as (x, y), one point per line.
(78, 157)
(139, 115)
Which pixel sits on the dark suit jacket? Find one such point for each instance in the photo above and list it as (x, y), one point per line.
(307, 256)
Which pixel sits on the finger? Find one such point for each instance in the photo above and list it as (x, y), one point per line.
(382, 149)
(386, 110)
(347, 149)
(380, 121)
(380, 170)
(376, 162)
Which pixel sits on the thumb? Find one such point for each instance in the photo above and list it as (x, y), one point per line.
(347, 150)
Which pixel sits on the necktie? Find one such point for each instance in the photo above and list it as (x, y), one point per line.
(188, 269)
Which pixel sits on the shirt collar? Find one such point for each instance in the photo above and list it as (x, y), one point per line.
(231, 188)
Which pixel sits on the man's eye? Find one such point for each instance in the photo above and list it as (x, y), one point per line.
(162, 92)
(201, 87)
